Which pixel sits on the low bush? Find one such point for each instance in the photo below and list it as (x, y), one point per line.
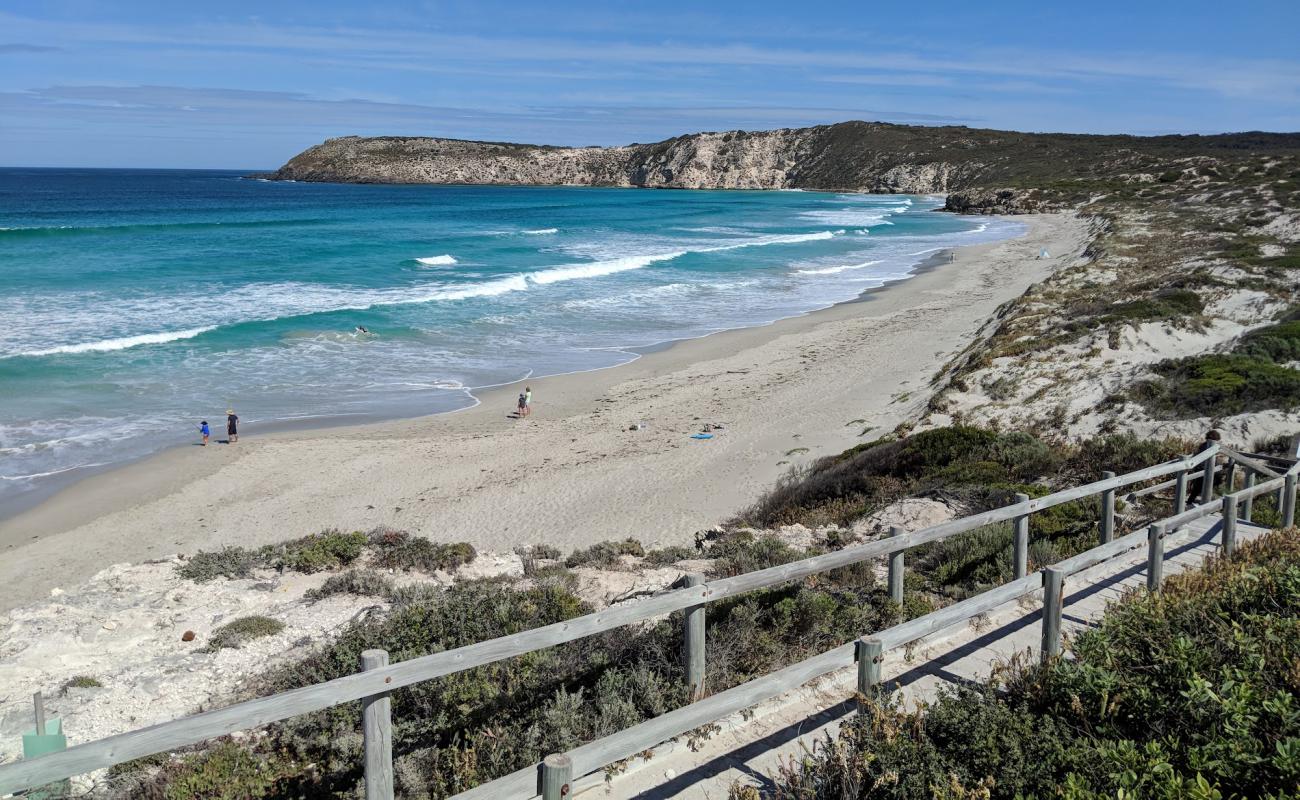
(329, 549)
(400, 550)
(1164, 304)
(604, 554)
(228, 562)
(238, 632)
(355, 581)
(1218, 385)
(667, 556)
(82, 682)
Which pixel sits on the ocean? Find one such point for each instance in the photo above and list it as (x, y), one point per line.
(135, 303)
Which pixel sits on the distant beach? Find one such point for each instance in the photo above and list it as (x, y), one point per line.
(606, 453)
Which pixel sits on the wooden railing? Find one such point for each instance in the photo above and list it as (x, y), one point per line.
(378, 679)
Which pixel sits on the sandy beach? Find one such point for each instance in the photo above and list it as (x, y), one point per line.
(573, 473)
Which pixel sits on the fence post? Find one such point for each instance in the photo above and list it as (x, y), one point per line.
(557, 773)
(1107, 511)
(1229, 524)
(377, 732)
(694, 645)
(1207, 482)
(1021, 527)
(1155, 557)
(1288, 501)
(870, 652)
(896, 569)
(1180, 492)
(1053, 599)
(1230, 475)
(1248, 503)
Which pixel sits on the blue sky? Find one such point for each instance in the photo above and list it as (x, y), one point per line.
(246, 85)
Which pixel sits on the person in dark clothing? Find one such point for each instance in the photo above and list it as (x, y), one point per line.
(232, 425)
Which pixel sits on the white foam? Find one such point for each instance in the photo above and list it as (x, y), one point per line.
(541, 232)
(437, 261)
(123, 343)
(865, 217)
(837, 270)
(791, 238)
(596, 269)
(514, 283)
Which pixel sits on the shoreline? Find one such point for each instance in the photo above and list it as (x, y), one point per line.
(571, 474)
(32, 501)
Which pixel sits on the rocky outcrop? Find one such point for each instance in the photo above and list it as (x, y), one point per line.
(849, 156)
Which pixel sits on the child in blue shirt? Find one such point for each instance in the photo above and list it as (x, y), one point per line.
(203, 429)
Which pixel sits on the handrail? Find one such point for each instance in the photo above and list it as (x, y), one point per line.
(1254, 464)
(262, 711)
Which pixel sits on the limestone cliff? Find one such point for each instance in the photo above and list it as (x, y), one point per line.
(854, 156)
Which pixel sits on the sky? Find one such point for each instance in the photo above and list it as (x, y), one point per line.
(246, 85)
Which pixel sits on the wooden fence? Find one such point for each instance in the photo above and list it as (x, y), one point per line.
(553, 777)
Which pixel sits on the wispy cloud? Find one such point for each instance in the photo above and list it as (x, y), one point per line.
(13, 48)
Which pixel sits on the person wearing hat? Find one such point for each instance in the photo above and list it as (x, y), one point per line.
(232, 425)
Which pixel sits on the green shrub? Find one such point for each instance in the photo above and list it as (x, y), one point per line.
(667, 556)
(354, 581)
(400, 550)
(1219, 385)
(81, 682)
(329, 549)
(965, 462)
(238, 632)
(545, 552)
(604, 554)
(1164, 304)
(739, 552)
(227, 771)
(228, 562)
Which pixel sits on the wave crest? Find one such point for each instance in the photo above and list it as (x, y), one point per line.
(437, 261)
(108, 345)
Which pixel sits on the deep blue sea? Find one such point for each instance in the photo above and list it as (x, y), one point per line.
(134, 304)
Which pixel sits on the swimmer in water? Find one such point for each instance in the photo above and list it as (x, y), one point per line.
(362, 329)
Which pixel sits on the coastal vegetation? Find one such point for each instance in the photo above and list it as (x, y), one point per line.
(1258, 373)
(463, 729)
(1188, 693)
(329, 550)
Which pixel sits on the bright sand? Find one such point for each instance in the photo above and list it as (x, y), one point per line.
(573, 473)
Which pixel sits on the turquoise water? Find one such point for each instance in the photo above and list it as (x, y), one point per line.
(133, 304)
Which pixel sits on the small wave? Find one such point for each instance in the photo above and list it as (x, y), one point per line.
(790, 238)
(865, 217)
(437, 261)
(34, 475)
(837, 270)
(597, 269)
(515, 283)
(877, 200)
(123, 343)
(541, 232)
(983, 226)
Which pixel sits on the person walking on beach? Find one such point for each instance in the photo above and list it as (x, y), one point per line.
(523, 407)
(528, 400)
(232, 425)
(204, 432)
